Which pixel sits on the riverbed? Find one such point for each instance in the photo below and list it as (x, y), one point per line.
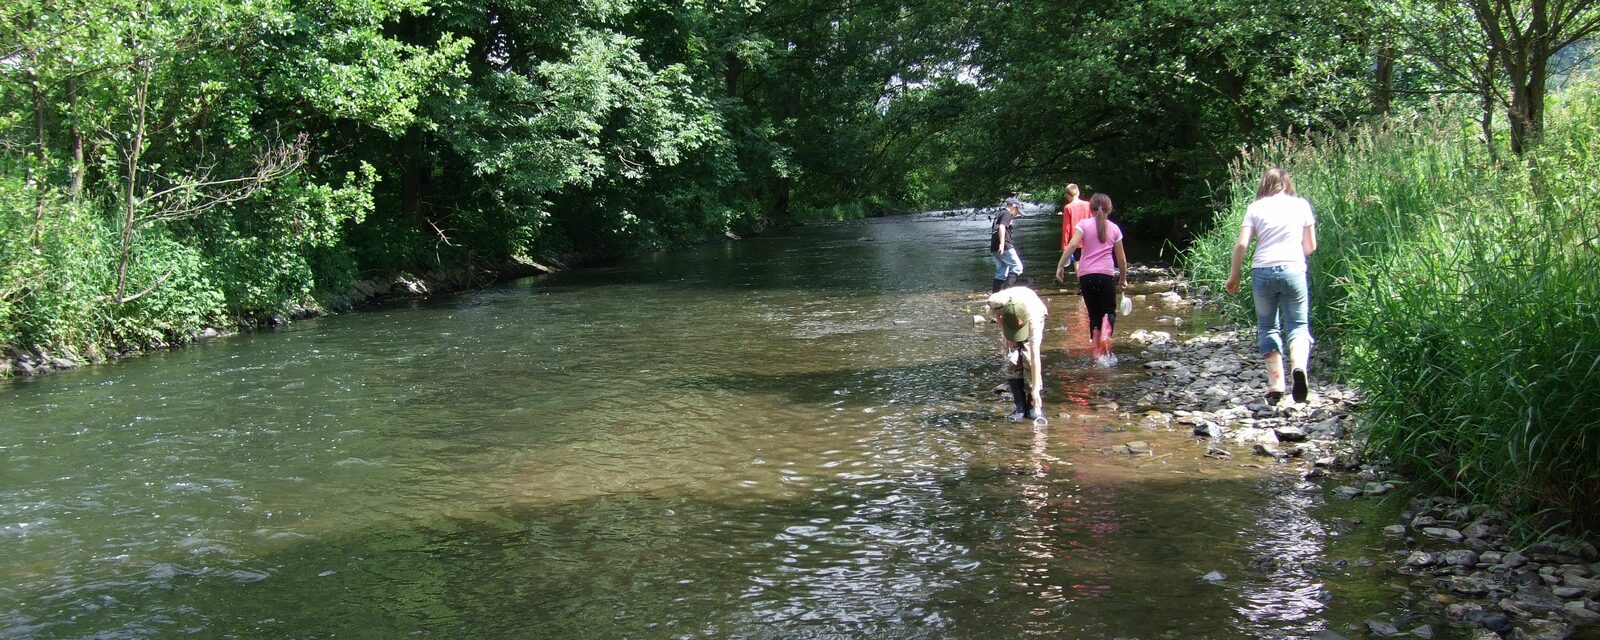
(791, 435)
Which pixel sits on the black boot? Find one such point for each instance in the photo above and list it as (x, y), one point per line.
(1019, 399)
(998, 285)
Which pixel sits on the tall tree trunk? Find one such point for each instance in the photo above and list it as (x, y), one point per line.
(76, 135)
(733, 67)
(1383, 82)
(1486, 95)
(41, 153)
(130, 201)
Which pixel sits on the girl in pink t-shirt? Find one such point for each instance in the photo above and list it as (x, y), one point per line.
(1102, 273)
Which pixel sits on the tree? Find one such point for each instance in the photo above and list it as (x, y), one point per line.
(1523, 36)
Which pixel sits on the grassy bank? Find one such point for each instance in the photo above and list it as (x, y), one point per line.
(1462, 296)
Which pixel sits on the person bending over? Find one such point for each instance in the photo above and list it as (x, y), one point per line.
(1021, 314)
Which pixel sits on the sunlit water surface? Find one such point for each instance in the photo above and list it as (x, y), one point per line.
(790, 435)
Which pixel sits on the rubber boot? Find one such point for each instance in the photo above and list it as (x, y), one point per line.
(1011, 281)
(1274, 362)
(998, 285)
(1299, 384)
(1019, 399)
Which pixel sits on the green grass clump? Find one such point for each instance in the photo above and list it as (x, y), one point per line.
(1459, 294)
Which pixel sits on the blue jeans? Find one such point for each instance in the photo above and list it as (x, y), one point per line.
(1281, 293)
(1007, 263)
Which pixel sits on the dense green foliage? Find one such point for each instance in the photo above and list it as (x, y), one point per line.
(1461, 295)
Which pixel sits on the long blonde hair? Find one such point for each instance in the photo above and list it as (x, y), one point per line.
(1100, 204)
(1274, 182)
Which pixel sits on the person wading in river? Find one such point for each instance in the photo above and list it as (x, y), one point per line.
(1021, 314)
(1076, 210)
(1007, 263)
(1102, 274)
(1286, 234)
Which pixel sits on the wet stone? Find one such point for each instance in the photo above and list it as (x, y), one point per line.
(1425, 632)
(1476, 530)
(1289, 434)
(1498, 623)
(1537, 601)
(1464, 611)
(1421, 522)
(1470, 585)
(1442, 533)
(1514, 560)
(1580, 613)
(1209, 429)
(1347, 492)
(1155, 420)
(1378, 488)
(1394, 530)
(1420, 559)
(1547, 630)
(1568, 592)
(1461, 558)
(1382, 629)
(1268, 451)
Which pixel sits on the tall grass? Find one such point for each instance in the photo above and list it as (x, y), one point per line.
(1463, 297)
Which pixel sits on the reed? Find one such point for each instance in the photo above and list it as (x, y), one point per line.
(1461, 295)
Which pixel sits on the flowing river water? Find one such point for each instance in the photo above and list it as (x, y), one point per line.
(791, 435)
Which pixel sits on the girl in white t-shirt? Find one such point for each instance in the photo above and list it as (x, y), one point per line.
(1286, 233)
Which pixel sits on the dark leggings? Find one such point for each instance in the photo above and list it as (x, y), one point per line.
(1100, 296)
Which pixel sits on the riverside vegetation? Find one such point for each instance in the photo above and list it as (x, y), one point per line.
(1459, 295)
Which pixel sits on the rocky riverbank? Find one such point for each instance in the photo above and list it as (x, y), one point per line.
(1454, 564)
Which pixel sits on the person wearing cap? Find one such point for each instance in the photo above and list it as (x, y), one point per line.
(1075, 211)
(1007, 263)
(1285, 231)
(1021, 314)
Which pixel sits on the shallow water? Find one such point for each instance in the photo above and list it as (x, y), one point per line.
(786, 436)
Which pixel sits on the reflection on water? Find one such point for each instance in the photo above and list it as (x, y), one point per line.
(788, 435)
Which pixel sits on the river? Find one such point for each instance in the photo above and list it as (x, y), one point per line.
(791, 435)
